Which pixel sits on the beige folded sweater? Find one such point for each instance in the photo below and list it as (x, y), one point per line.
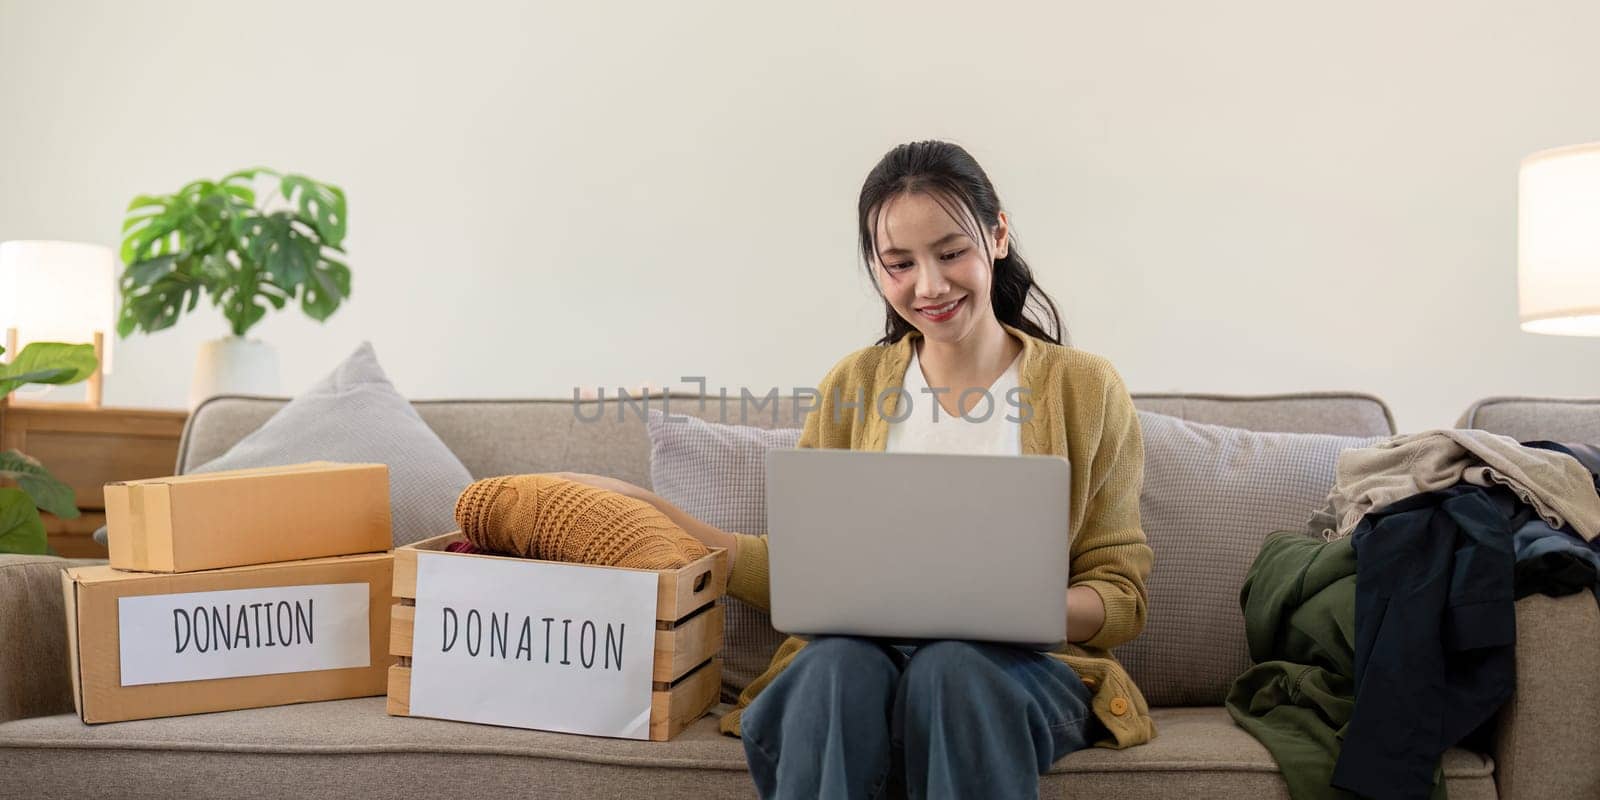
(1369, 478)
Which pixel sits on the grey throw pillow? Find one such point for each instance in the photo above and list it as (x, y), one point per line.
(356, 415)
(717, 474)
(1211, 495)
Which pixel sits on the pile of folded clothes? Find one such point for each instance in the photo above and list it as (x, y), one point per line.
(550, 518)
(1386, 637)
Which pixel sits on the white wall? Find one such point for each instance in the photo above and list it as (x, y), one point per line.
(1238, 197)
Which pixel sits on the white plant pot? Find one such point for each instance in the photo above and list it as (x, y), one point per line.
(234, 365)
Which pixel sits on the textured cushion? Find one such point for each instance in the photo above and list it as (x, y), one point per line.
(1211, 495)
(355, 415)
(351, 747)
(717, 473)
(1572, 420)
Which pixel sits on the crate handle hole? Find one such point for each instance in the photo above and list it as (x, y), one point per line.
(700, 582)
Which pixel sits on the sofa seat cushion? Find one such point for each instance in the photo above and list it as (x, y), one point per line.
(353, 748)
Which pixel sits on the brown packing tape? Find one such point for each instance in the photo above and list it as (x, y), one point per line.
(117, 522)
(138, 529)
(163, 544)
(137, 526)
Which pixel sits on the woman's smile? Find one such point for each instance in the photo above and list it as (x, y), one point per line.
(943, 312)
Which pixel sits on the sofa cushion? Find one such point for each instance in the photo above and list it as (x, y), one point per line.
(1211, 495)
(717, 473)
(356, 415)
(1526, 419)
(352, 747)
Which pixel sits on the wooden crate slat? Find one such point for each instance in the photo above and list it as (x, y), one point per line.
(402, 626)
(405, 573)
(680, 592)
(671, 710)
(688, 644)
(677, 708)
(400, 691)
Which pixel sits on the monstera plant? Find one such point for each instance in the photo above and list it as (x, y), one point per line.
(252, 241)
(21, 528)
(213, 238)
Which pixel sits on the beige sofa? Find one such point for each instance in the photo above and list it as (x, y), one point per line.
(1547, 743)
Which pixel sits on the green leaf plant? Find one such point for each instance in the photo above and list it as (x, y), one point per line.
(30, 488)
(212, 238)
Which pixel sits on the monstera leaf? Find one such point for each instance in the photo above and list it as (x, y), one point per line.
(212, 238)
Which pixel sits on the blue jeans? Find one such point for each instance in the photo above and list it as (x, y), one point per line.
(853, 717)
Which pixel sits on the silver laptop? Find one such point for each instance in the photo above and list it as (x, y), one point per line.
(917, 546)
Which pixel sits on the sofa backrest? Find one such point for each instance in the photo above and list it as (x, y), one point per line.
(503, 437)
(1526, 419)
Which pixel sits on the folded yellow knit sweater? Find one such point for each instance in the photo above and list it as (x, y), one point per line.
(555, 519)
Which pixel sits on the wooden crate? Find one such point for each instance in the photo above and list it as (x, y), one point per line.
(689, 614)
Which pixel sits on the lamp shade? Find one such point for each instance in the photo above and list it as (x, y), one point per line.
(58, 292)
(1558, 241)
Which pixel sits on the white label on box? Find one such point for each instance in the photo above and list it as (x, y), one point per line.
(198, 636)
(531, 644)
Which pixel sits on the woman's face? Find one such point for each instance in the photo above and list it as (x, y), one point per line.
(932, 272)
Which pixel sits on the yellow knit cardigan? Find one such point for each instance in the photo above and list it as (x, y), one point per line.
(1080, 409)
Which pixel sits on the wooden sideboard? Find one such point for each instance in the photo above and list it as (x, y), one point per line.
(87, 448)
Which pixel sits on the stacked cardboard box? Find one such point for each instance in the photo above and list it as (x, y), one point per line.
(235, 590)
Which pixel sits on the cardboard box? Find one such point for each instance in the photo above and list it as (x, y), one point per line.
(147, 645)
(250, 516)
(685, 673)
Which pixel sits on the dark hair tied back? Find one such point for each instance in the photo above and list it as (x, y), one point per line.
(951, 176)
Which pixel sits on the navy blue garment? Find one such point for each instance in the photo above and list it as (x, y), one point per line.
(1555, 566)
(1435, 631)
(1554, 562)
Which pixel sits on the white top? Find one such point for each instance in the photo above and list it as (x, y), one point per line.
(973, 433)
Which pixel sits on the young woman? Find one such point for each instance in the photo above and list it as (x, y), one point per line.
(849, 717)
